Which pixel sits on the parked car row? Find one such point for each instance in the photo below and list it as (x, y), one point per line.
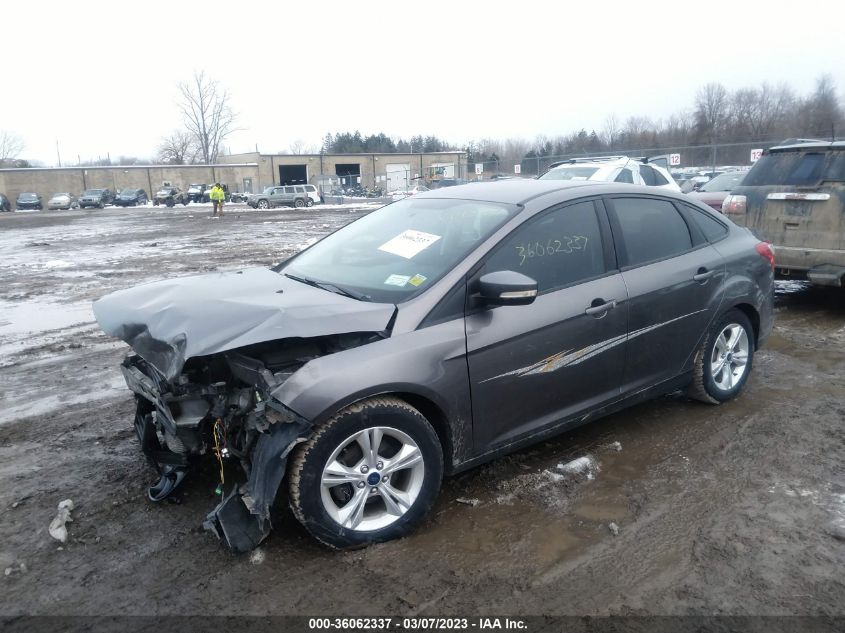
(99, 198)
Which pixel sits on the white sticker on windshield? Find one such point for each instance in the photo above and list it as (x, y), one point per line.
(409, 243)
(397, 280)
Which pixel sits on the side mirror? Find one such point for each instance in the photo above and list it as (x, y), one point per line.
(507, 288)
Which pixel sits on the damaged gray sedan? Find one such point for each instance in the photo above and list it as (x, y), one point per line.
(431, 336)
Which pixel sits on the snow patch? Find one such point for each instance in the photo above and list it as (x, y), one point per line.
(586, 466)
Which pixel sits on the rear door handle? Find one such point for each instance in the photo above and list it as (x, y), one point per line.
(703, 274)
(601, 308)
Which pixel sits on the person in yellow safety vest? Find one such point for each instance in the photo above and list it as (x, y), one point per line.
(217, 196)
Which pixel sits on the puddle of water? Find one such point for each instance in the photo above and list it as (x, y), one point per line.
(33, 316)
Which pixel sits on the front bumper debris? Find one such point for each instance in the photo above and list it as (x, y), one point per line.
(172, 423)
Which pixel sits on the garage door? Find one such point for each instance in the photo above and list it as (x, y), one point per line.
(397, 176)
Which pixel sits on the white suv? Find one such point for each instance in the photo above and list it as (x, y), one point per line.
(637, 171)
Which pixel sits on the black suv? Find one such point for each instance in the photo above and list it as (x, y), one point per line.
(131, 197)
(5, 204)
(28, 200)
(96, 198)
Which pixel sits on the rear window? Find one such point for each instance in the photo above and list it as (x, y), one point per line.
(797, 168)
(310, 188)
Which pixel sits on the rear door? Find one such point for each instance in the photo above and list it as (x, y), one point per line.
(674, 281)
(534, 365)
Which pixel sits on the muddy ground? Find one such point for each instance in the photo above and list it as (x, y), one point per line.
(682, 508)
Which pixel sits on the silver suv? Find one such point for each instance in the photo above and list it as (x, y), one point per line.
(287, 195)
(794, 197)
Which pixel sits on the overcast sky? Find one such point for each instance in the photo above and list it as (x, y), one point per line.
(101, 77)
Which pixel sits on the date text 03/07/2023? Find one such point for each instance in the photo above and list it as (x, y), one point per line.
(416, 624)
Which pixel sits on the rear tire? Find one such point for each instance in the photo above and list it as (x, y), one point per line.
(298, 203)
(310, 203)
(347, 496)
(723, 361)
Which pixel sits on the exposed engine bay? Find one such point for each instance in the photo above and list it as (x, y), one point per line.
(223, 405)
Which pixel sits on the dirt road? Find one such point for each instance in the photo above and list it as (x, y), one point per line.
(678, 508)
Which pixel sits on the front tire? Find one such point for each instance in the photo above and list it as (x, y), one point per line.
(263, 204)
(723, 362)
(369, 474)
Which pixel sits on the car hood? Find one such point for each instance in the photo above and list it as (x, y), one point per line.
(167, 322)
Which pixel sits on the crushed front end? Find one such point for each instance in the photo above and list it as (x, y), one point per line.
(219, 405)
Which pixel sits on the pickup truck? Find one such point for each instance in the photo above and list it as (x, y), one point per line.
(279, 196)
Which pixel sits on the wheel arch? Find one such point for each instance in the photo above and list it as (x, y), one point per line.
(754, 316)
(433, 412)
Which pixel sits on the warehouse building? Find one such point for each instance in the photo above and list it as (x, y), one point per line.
(249, 173)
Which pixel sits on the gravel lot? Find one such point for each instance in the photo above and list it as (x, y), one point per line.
(677, 508)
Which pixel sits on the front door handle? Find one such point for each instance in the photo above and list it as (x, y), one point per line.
(600, 308)
(703, 274)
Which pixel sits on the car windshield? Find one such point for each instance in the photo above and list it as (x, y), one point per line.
(399, 250)
(164, 192)
(569, 173)
(61, 195)
(92, 192)
(724, 182)
(27, 196)
(127, 192)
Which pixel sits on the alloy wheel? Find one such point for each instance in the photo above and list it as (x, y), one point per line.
(372, 478)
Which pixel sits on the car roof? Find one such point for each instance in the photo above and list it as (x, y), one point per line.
(522, 191)
(834, 145)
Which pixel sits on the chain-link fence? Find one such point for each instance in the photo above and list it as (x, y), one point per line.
(680, 158)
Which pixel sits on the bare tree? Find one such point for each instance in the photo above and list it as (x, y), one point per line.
(711, 106)
(820, 114)
(612, 130)
(297, 147)
(179, 148)
(773, 105)
(208, 117)
(11, 145)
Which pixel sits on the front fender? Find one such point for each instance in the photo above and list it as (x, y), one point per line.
(430, 363)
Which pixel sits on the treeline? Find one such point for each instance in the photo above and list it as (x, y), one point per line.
(346, 143)
(765, 114)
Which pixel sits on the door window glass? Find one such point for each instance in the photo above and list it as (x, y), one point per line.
(625, 175)
(651, 229)
(659, 179)
(711, 227)
(559, 248)
(647, 174)
(289, 190)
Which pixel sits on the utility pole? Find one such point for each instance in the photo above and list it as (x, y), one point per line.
(58, 155)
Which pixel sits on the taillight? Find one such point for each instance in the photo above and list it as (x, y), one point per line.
(733, 205)
(765, 249)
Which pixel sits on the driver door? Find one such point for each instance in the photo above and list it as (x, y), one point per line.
(535, 365)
